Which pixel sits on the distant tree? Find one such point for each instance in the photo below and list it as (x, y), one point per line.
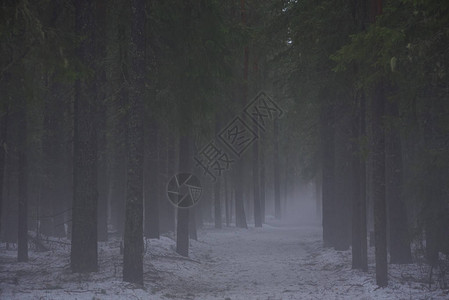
(276, 175)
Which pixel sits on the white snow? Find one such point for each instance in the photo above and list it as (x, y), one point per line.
(273, 262)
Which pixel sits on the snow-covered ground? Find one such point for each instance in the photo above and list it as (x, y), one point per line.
(273, 262)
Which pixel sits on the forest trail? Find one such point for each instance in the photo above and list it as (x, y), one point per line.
(273, 262)
(265, 261)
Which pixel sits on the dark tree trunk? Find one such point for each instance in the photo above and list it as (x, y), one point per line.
(152, 185)
(101, 121)
(399, 237)
(133, 236)
(217, 204)
(117, 183)
(240, 217)
(118, 166)
(256, 183)
(328, 163)
(227, 202)
(363, 193)
(169, 216)
(102, 175)
(166, 171)
(262, 183)
(277, 187)
(83, 256)
(342, 182)
(359, 242)
(356, 199)
(217, 200)
(22, 247)
(182, 228)
(378, 189)
(53, 188)
(4, 111)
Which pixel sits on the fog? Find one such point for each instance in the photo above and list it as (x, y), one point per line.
(202, 149)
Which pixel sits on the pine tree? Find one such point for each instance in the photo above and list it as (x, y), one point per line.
(133, 236)
(83, 255)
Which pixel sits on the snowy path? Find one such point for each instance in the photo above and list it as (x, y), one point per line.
(258, 263)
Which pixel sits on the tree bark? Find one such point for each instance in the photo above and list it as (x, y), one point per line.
(240, 217)
(378, 189)
(227, 202)
(152, 184)
(182, 228)
(133, 237)
(22, 247)
(101, 121)
(277, 187)
(328, 166)
(399, 237)
(217, 204)
(217, 200)
(359, 242)
(3, 134)
(262, 183)
(83, 256)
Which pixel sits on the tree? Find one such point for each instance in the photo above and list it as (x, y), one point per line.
(378, 193)
(102, 181)
(399, 237)
(22, 247)
(152, 182)
(277, 188)
(83, 255)
(3, 132)
(240, 217)
(359, 231)
(133, 237)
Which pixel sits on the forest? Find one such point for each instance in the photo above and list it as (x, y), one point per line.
(207, 149)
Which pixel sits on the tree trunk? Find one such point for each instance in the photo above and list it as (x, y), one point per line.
(133, 237)
(227, 202)
(167, 164)
(359, 242)
(256, 183)
(240, 217)
(378, 189)
(363, 210)
(83, 256)
(101, 121)
(399, 237)
(182, 228)
(277, 187)
(328, 163)
(217, 204)
(3, 134)
(217, 200)
(262, 183)
(152, 184)
(22, 247)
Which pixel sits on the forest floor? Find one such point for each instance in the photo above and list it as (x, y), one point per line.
(273, 262)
